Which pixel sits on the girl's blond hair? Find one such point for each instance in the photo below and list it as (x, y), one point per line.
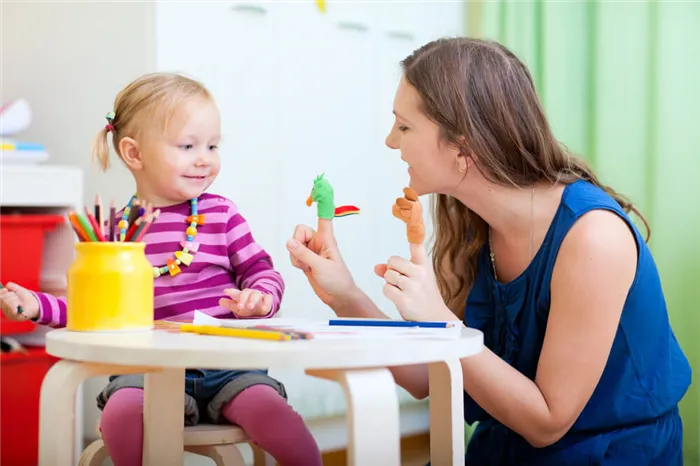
(152, 98)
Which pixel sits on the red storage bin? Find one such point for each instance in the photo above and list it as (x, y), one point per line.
(21, 248)
(21, 376)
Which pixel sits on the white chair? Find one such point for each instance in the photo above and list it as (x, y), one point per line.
(217, 442)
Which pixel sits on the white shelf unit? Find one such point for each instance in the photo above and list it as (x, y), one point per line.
(49, 190)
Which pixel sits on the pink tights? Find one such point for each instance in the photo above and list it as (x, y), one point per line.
(259, 410)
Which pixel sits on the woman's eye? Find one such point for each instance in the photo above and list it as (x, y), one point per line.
(403, 128)
(186, 146)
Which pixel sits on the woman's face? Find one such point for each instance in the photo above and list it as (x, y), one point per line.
(433, 164)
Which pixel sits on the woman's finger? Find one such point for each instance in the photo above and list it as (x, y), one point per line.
(380, 270)
(394, 295)
(393, 277)
(303, 234)
(402, 266)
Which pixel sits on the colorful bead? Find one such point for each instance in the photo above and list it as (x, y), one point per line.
(191, 246)
(196, 219)
(173, 268)
(184, 258)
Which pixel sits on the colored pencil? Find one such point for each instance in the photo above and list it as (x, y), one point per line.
(388, 323)
(95, 226)
(73, 219)
(99, 218)
(112, 215)
(132, 229)
(134, 213)
(141, 232)
(85, 224)
(256, 334)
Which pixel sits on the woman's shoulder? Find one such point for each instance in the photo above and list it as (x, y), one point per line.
(582, 196)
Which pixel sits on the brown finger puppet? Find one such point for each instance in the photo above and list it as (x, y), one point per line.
(409, 210)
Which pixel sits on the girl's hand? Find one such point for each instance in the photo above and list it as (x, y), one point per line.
(13, 297)
(412, 287)
(247, 302)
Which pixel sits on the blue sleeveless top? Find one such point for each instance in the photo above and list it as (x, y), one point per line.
(632, 416)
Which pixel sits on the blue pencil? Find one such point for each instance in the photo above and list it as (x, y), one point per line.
(387, 323)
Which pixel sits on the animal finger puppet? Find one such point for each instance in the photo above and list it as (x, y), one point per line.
(409, 210)
(322, 195)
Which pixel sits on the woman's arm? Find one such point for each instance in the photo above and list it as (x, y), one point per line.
(316, 254)
(593, 272)
(412, 378)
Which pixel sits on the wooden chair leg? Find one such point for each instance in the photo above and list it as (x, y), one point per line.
(223, 455)
(261, 457)
(94, 455)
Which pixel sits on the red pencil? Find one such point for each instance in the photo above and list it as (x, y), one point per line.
(95, 225)
(141, 232)
(130, 232)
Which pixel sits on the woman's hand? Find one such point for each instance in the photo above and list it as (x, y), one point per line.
(412, 287)
(316, 254)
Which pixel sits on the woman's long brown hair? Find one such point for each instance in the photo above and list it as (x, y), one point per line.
(484, 101)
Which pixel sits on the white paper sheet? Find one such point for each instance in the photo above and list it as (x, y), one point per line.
(322, 330)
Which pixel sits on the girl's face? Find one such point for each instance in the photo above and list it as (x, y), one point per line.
(432, 163)
(184, 161)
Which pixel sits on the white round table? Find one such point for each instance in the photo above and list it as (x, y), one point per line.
(359, 365)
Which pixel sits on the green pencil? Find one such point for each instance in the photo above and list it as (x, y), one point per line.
(19, 308)
(86, 226)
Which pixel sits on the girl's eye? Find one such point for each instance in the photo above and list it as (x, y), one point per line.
(403, 128)
(186, 146)
(213, 147)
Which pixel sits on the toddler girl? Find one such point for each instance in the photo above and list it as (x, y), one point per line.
(166, 129)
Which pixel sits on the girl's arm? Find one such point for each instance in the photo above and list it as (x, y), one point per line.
(252, 266)
(52, 310)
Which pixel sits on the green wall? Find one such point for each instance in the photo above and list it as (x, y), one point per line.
(620, 82)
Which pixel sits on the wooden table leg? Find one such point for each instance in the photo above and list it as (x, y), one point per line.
(446, 413)
(373, 415)
(163, 418)
(57, 407)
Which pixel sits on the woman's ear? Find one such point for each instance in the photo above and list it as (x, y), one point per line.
(130, 153)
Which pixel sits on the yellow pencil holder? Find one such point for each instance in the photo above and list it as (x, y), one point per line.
(110, 288)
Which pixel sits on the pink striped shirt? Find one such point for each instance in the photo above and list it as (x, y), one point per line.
(228, 257)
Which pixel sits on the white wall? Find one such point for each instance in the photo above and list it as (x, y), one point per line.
(300, 92)
(69, 60)
(308, 93)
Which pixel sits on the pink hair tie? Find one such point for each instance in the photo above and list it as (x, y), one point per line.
(109, 127)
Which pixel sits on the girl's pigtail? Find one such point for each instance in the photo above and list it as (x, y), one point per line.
(100, 146)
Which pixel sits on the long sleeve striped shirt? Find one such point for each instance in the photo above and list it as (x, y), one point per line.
(228, 257)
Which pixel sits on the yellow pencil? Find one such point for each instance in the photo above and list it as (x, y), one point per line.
(235, 332)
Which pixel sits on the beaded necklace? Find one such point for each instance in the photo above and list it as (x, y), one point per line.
(189, 246)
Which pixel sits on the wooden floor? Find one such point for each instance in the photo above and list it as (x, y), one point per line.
(415, 451)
